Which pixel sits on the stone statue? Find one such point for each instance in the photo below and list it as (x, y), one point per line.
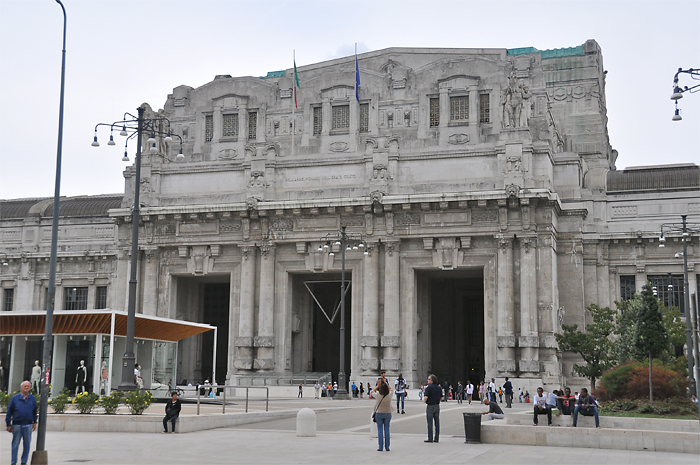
(513, 99)
(36, 376)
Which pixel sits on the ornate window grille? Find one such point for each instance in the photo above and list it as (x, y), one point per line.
(364, 117)
(252, 125)
(341, 117)
(208, 128)
(484, 108)
(101, 297)
(671, 296)
(230, 128)
(318, 120)
(76, 298)
(627, 287)
(434, 112)
(459, 108)
(9, 299)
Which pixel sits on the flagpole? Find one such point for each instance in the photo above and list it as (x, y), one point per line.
(294, 88)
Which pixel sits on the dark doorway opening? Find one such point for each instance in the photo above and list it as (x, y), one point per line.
(215, 312)
(457, 328)
(326, 334)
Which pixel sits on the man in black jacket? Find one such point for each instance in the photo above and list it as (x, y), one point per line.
(432, 397)
(172, 412)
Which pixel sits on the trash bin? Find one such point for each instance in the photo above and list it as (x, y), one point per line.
(472, 427)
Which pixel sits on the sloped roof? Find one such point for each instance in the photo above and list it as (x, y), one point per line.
(650, 178)
(83, 206)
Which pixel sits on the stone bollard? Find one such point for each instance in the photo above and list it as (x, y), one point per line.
(306, 423)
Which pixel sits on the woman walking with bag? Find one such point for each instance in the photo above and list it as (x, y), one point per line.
(382, 415)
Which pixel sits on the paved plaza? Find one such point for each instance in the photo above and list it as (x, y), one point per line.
(343, 438)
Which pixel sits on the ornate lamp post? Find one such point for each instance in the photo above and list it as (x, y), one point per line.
(135, 126)
(342, 239)
(678, 91)
(686, 229)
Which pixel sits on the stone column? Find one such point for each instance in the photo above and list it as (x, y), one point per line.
(370, 312)
(391, 355)
(264, 341)
(505, 361)
(150, 281)
(529, 338)
(243, 357)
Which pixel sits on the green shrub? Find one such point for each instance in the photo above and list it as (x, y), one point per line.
(613, 383)
(4, 401)
(111, 402)
(647, 408)
(138, 401)
(85, 401)
(61, 401)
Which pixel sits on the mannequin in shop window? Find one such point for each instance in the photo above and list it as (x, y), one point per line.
(103, 378)
(36, 376)
(80, 378)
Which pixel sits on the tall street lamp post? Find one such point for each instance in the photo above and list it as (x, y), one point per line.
(342, 239)
(686, 229)
(41, 455)
(134, 126)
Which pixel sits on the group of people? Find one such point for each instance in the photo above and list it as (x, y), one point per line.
(567, 404)
(326, 390)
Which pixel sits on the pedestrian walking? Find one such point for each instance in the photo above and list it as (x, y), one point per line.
(21, 420)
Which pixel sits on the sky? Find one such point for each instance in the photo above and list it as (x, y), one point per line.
(123, 53)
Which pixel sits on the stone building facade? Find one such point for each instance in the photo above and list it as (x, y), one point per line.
(482, 182)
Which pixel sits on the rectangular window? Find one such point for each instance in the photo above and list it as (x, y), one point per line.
(76, 298)
(364, 117)
(318, 121)
(434, 112)
(208, 128)
(9, 300)
(230, 128)
(101, 297)
(459, 108)
(669, 290)
(341, 117)
(484, 108)
(252, 125)
(627, 287)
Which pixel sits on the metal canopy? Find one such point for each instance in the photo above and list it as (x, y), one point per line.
(98, 322)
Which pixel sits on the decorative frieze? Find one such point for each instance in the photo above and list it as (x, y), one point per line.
(528, 341)
(390, 364)
(243, 342)
(390, 341)
(505, 341)
(529, 366)
(404, 219)
(264, 341)
(485, 216)
(505, 366)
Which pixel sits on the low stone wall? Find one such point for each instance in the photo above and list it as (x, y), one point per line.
(150, 423)
(628, 423)
(603, 438)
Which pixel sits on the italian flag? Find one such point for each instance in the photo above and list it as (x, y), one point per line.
(297, 87)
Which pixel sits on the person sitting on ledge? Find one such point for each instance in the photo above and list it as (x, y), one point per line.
(172, 412)
(541, 407)
(587, 406)
(494, 412)
(565, 402)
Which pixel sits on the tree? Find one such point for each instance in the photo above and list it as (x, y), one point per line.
(594, 346)
(650, 335)
(628, 314)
